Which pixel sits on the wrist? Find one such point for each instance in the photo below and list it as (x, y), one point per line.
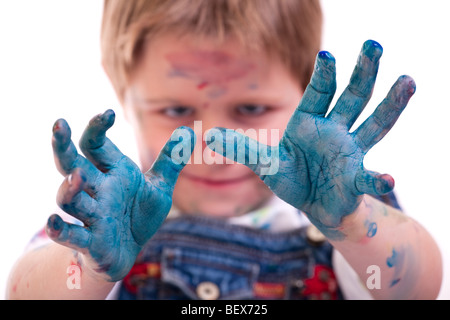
(362, 224)
(91, 269)
(337, 222)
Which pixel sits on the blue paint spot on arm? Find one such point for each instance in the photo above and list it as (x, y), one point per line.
(397, 262)
(392, 260)
(394, 282)
(372, 229)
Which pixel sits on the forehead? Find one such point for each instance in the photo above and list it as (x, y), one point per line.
(168, 62)
(184, 53)
(208, 65)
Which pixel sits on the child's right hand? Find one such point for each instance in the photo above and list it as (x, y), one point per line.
(120, 207)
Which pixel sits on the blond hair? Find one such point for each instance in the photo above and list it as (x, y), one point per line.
(288, 29)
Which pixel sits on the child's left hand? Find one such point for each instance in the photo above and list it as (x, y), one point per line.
(321, 169)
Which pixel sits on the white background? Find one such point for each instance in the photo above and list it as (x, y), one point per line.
(50, 69)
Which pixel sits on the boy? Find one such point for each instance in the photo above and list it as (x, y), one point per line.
(230, 64)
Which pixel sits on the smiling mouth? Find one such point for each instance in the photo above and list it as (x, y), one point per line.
(216, 182)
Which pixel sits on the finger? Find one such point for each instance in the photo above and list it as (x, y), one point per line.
(72, 199)
(66, 234)
(173, 156)
(322, 86)
(261, 158)
(373, 183)
(357, 94)
(96, 146)
(66, 155)
(386, 114)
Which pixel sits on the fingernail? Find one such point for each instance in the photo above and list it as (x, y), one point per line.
(410, 83)
(388, 183)
(58, 126)
(374, 43)
(108, 117)
(372, 49)
(325, 66)
(55, 223)
(109, 113)
(326, 57)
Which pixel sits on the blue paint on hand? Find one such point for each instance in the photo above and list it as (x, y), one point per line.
(120, 207)
(321, 169)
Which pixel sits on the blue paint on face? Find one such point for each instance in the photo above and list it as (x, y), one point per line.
(253, 86)
(321, 169)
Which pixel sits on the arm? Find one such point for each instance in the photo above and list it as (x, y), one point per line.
(48, 273)
(120, 208)
(394, 256)
(319, 170)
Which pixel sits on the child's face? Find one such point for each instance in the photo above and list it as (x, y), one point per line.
(179, 81)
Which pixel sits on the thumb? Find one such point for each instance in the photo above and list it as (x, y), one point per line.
(174, 156)
(373, 183)
(261, 158)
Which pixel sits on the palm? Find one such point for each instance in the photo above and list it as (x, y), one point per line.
(321, 161)
(116, 227)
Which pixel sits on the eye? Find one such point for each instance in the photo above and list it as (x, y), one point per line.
(177, 112)
(251, 109)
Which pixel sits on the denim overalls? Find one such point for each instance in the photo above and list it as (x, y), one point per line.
(206, 258)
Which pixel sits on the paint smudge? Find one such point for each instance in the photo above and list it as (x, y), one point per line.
(392, 260)
(217, 92)
(253, 86)
(202, 85)
(396, 261)
(394, 282)
(208, 68)
(371, 228)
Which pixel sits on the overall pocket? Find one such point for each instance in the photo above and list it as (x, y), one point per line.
(206, 275)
